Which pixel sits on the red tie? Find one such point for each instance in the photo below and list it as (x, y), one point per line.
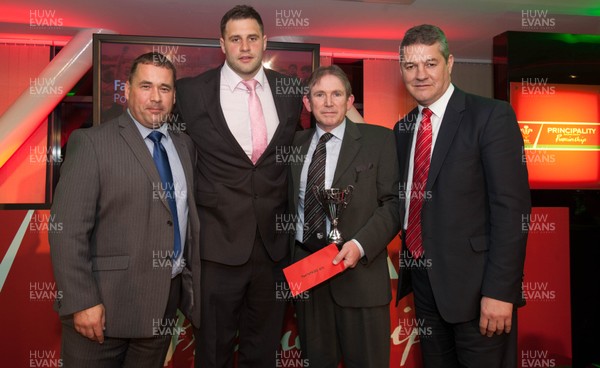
(257, 121)
(414, 241)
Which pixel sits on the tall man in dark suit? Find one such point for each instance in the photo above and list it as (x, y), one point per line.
(348, 316)
(122, 259)
(239, 121)
(464, 195)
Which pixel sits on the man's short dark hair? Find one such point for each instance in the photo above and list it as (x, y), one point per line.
(241, 12)
(153, 58)
(334, 70)
(425, 34)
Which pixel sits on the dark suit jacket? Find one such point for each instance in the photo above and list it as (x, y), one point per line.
(472, 224)
(233, 195)
(116, 230)
(368, 162)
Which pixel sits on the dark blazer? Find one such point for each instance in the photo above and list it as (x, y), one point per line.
(233, 195)
(116, 230)
(368, 162)
(473, 223)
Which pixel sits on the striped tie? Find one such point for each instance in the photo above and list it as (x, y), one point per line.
(414, 241)
(314, 216)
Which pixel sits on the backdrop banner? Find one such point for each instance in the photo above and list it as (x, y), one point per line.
(32, 329)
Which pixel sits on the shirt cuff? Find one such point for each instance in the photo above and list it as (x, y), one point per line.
(360, 248)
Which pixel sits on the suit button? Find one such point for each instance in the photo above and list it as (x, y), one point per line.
(256, 196)
(170, 223)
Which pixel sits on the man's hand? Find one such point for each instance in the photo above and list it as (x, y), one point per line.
(90, 323)
(350, 254)
(496, 316)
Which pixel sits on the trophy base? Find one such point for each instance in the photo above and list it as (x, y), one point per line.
(335, 237)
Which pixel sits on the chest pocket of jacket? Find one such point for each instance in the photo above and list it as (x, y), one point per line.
(363, 171)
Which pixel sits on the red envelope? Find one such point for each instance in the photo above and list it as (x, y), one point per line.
(313, 270)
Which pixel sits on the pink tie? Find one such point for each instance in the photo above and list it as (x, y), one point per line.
(414, 241)
(257, 121)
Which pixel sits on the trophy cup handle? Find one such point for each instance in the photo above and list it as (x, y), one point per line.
(349, 189)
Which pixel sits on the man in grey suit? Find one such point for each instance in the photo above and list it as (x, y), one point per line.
(129, 230)
(347, 316)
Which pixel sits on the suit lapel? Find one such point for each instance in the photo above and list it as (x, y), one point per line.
(132, 137)
(349, 149)
(452, 119)
(188, 169)
(303, 140)
(280, 107)
(212, 96)
(405, 134)
(184, 158)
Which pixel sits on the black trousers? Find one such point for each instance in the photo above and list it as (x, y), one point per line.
(241, 298)
(330, 333)
(451, 345)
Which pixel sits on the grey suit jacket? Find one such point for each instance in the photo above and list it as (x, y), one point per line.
(117, 231)
(367, 161)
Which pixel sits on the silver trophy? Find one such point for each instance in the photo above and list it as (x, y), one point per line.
(334, 201)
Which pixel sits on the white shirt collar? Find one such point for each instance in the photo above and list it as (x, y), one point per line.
(144, 131)
(439, 107)
(232, 80)
(337, 132)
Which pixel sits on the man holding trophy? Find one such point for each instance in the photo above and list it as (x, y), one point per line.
(345, 192)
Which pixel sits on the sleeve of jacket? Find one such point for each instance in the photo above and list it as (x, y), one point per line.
(74, 211)
(509, 204)
(384, 224)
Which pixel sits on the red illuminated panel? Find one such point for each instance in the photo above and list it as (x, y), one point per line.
(561, 132)
(23, 176)
(547, 289)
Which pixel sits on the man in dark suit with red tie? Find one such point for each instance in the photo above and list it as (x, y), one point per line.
(238, 122)
(464, 200)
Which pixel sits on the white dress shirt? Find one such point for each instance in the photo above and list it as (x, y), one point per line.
(178, 182)
(438, 108)
(234, 102)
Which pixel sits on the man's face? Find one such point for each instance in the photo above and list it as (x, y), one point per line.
(328, 102)
(243, 45)
(425, 72)
(150, 94)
